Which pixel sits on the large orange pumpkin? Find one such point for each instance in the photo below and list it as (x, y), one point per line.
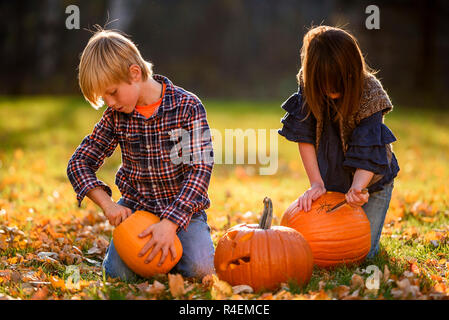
(339, 237)
(262, 256)
(128, 245)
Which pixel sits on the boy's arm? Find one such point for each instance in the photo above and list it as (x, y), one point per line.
(193, 196)
(90, 155)
(115, 213)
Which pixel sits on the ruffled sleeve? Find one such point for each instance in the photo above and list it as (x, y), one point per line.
(367, 145)
(297, 127)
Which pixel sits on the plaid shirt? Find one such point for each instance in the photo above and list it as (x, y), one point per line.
(148, 179)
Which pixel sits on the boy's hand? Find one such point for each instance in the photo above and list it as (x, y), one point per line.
(355, 197)
(116, 213)
(163, 238)
(313, 193)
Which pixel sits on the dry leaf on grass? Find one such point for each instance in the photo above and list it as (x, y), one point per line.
(144, 286)
(40, 294)
(386, 274)
(357, 281)
(207, 281)
(220, 289)
(156, 288)
(341, 291)
(405, 290)
(176, 285)
(242, 289)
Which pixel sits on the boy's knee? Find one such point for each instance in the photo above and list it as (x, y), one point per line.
(197, 270)
(114, 266)
(123, 273)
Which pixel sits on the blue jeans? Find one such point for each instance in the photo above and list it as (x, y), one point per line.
(197, 258)
(376, 209)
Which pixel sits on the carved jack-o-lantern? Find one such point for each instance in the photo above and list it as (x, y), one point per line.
(337, 237)
(263, 256)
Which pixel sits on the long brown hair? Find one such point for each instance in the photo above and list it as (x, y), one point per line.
(332, 62)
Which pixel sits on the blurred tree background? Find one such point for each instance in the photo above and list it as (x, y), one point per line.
(228, 49)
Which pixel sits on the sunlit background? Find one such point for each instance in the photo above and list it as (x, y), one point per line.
(241, 59)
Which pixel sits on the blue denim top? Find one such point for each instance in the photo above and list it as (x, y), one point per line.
(366, 146)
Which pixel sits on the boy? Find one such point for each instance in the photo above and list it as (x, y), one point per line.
(143, 111)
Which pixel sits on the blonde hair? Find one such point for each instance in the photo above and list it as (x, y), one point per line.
(105, 61)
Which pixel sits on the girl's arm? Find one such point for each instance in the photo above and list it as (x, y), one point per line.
(310, 162)
(361, 179)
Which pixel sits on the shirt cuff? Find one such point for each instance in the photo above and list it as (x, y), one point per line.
(92, 185)
(177, 215)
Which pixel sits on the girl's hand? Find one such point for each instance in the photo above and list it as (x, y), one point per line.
(116, 213)
(355, 197)
(313, 193)
(163, 238)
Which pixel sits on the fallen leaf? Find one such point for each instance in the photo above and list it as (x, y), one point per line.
(266, 296)
(440, 287)
(357, 281)
(176, 284)
(16, 276)
(94, 250)
(144, 286)
(3, 244)
(220, 289)
(353, 296)
(57, 283)
(408, 290)
(283, 295)
(373, 292)
(40, 294)
(341, 291)
(242, 289)
(13, 260)
(207, 281)
(156, 288)
(92, 261)
(408, 274)
(386, 273)
(396, 293)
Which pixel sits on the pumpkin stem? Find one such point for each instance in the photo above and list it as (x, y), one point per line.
(267, 215)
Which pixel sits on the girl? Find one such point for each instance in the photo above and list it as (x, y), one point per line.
(336, 117)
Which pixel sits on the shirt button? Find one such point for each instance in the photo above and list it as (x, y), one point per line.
(154, 186)
(148, 146)
(150, 167)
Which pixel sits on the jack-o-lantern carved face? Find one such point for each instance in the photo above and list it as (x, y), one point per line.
(335, 237)
(263, 256)
(237, 241)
